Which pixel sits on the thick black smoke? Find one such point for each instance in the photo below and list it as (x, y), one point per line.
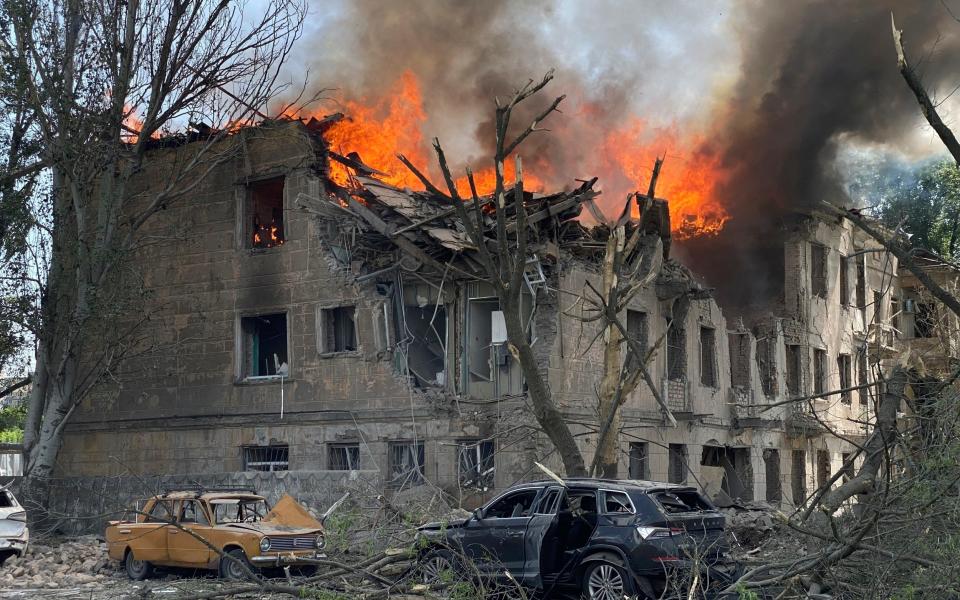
(812, 73)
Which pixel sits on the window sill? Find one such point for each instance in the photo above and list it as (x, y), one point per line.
(262, 380)
(344, 354)
(255, 251)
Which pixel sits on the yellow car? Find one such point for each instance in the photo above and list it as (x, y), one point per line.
(232, 531)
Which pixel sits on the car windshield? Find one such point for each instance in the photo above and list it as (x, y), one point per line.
(235, 510)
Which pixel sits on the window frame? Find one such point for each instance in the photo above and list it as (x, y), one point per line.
(533, 504)
(603, 502)
(345, 446)
(420, 451)
(246, 209)
(322, 329)
(247, 463)
(478, 443)
(240, 345)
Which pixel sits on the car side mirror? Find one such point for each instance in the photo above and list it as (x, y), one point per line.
(478, 514)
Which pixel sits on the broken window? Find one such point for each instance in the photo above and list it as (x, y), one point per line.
(405, 464)
(895, 315)
(798, 477)
(424, 339)
(161, 512)
(512, 506)
(676, 351)
(861, 283)
(863, 378)
(818, 270)
(740, 360)
(265, 202)
(767, 365)
(617, 503)
(793, 369)
(275, 457)
(771, 465)
(847, 468)
(708, 356)
(844, 366)
(343, 457)
(338, 329)
(823, 467)
(480, 322)
(264, 345)
(638, 460)
(877, 307)
(637, 331)
(819, 371)
(677, 463)
(844, 281)
(476, 460)
(925, 320)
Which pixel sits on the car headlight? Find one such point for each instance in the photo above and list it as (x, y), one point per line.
(264, 544)
(18, 516)
(320, 541)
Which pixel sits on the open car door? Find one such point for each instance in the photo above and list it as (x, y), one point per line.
(540, 543)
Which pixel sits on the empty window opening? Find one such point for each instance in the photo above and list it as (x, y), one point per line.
(617, 503)
(845, 368)
(405, 464)
(708, 356)
(338, 329)
(793, 369)
(192, 511)
(637, 332)
(771, 466)
(863, 377)
(823, 467)
(677, 463)
(275, 457)
(844, 281)
(740, 360)
(861, 283)
(819, 371)
(161, 512)
(266, 213)
(476, 464)
(798, 477)
(729, 468)
(925, 320)
(877, 307)
(264, 345)
(639, 468)
(424, 339)
(480, 350)
(676, 351)
(818, 270)
(343, 457)
(767, 365)
(847, 468)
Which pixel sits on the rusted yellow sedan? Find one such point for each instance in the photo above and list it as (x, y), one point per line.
(232, 531)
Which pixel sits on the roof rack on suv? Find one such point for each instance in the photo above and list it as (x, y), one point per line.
(202, 489)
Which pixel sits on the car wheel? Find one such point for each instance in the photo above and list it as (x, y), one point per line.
(233, 570)
(435, 564)
(606, 581)
(137, 570)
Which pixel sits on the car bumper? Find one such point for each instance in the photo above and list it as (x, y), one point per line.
(17, 544)
(287, 558)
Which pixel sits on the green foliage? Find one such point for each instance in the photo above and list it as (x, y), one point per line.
(927, 203)
(338, 527)
(744, 593)
(12, 419)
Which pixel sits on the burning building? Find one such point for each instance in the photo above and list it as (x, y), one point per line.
(308, 315)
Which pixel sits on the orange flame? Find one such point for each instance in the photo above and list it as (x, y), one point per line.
(688, 179)
(380, 129)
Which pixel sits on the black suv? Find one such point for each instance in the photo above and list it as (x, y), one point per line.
(610, 538)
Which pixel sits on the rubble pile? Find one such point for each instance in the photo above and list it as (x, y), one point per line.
(751, 523)
(76, 562)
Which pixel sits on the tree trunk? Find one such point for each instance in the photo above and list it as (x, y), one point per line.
(609, 413)
(545, 411)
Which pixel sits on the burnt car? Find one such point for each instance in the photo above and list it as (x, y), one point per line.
(14, 534)
(228, 522)
(609, 538)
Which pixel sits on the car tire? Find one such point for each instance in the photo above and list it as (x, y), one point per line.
(604, 580)
(137, 570)
(232, 570)
(432, 565)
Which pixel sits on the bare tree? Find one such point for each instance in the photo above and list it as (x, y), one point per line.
(101, 84)
(505, 264)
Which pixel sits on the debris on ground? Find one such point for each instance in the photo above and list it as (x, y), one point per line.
(76, 562)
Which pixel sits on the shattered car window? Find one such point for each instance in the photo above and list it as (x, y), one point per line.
(238, 511)
(617, 502)
(681, 502)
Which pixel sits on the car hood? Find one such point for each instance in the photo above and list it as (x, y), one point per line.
(266, 528)
(437, 525)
